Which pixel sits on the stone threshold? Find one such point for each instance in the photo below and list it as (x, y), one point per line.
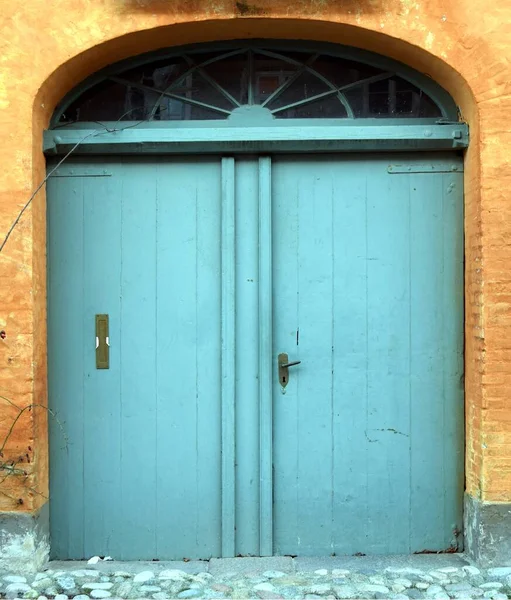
(219, 567)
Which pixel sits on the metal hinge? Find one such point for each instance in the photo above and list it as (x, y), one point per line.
(425, 168)
(82, 172)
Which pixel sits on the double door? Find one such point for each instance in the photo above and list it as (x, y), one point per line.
(194, 442)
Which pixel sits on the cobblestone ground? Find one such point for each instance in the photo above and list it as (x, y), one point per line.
(398, 583)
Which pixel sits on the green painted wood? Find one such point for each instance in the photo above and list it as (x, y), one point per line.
(208, 268)
(189, 339)
(101, 388)
(266, 359)
(138, 351)
(388, 338)
(144, 456)
(247, 357)
(349, 380)
(303, 199)
(454, 380)
(228, 356)
(65, 251)
(251, 111)
(436, 223)
(248, 139)
(368, 436)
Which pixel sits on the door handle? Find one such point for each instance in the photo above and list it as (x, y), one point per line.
(284, 364)
(102, 342)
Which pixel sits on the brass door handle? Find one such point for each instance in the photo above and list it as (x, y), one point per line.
(284, 364)
(291, 364)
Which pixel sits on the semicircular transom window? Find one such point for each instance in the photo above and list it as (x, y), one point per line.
(214, 84)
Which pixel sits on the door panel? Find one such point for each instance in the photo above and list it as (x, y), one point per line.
(368, 433)
(99, 278)
(140, 477)
(209, 268)
(189, 357)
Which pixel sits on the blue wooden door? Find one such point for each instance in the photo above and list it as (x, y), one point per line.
(139, 473)
(209, 268)
(368, 294)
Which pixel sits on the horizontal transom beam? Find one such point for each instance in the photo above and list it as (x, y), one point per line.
(200, 140)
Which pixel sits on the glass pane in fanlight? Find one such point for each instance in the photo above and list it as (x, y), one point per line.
(305, 86)
(159, 75)
(410, 99)
(341, 72)
(232, 75)
(203, 91)
(172, 109)
(200, 90)
(269, 74)
(324, 108)
(379, 101)
(195, 88)
(107, 101)
(393, 97)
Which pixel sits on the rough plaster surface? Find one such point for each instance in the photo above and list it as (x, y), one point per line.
(488, 532)
(20, 553)
(24, 541)
(47, 48)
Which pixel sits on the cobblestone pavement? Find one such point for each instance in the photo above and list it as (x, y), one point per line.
(255, 578)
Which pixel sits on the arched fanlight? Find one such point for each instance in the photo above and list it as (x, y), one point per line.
(289, 82)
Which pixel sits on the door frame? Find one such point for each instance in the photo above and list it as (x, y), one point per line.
(253, 135)
(265, 317)
(327, 137)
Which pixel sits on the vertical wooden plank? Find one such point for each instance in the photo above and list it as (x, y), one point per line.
(208, 346)
(286, 338)
(316, 177)
(102, 392)
(189, 358)
(247, 356)
(436, 357)
(177, 357)
(138, 351)
(349, 373)
(65, 364)
(387, 427)
(266, 359)
(452, 353)
(228, 356)
(304, 190)
(426, 361)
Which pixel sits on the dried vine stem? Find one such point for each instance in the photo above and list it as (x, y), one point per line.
(94, 133)
(10, 467)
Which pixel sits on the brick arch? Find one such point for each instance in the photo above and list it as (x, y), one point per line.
(395, 43)
(77, 68)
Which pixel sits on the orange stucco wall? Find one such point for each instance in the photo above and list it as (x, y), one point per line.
(48, 46)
